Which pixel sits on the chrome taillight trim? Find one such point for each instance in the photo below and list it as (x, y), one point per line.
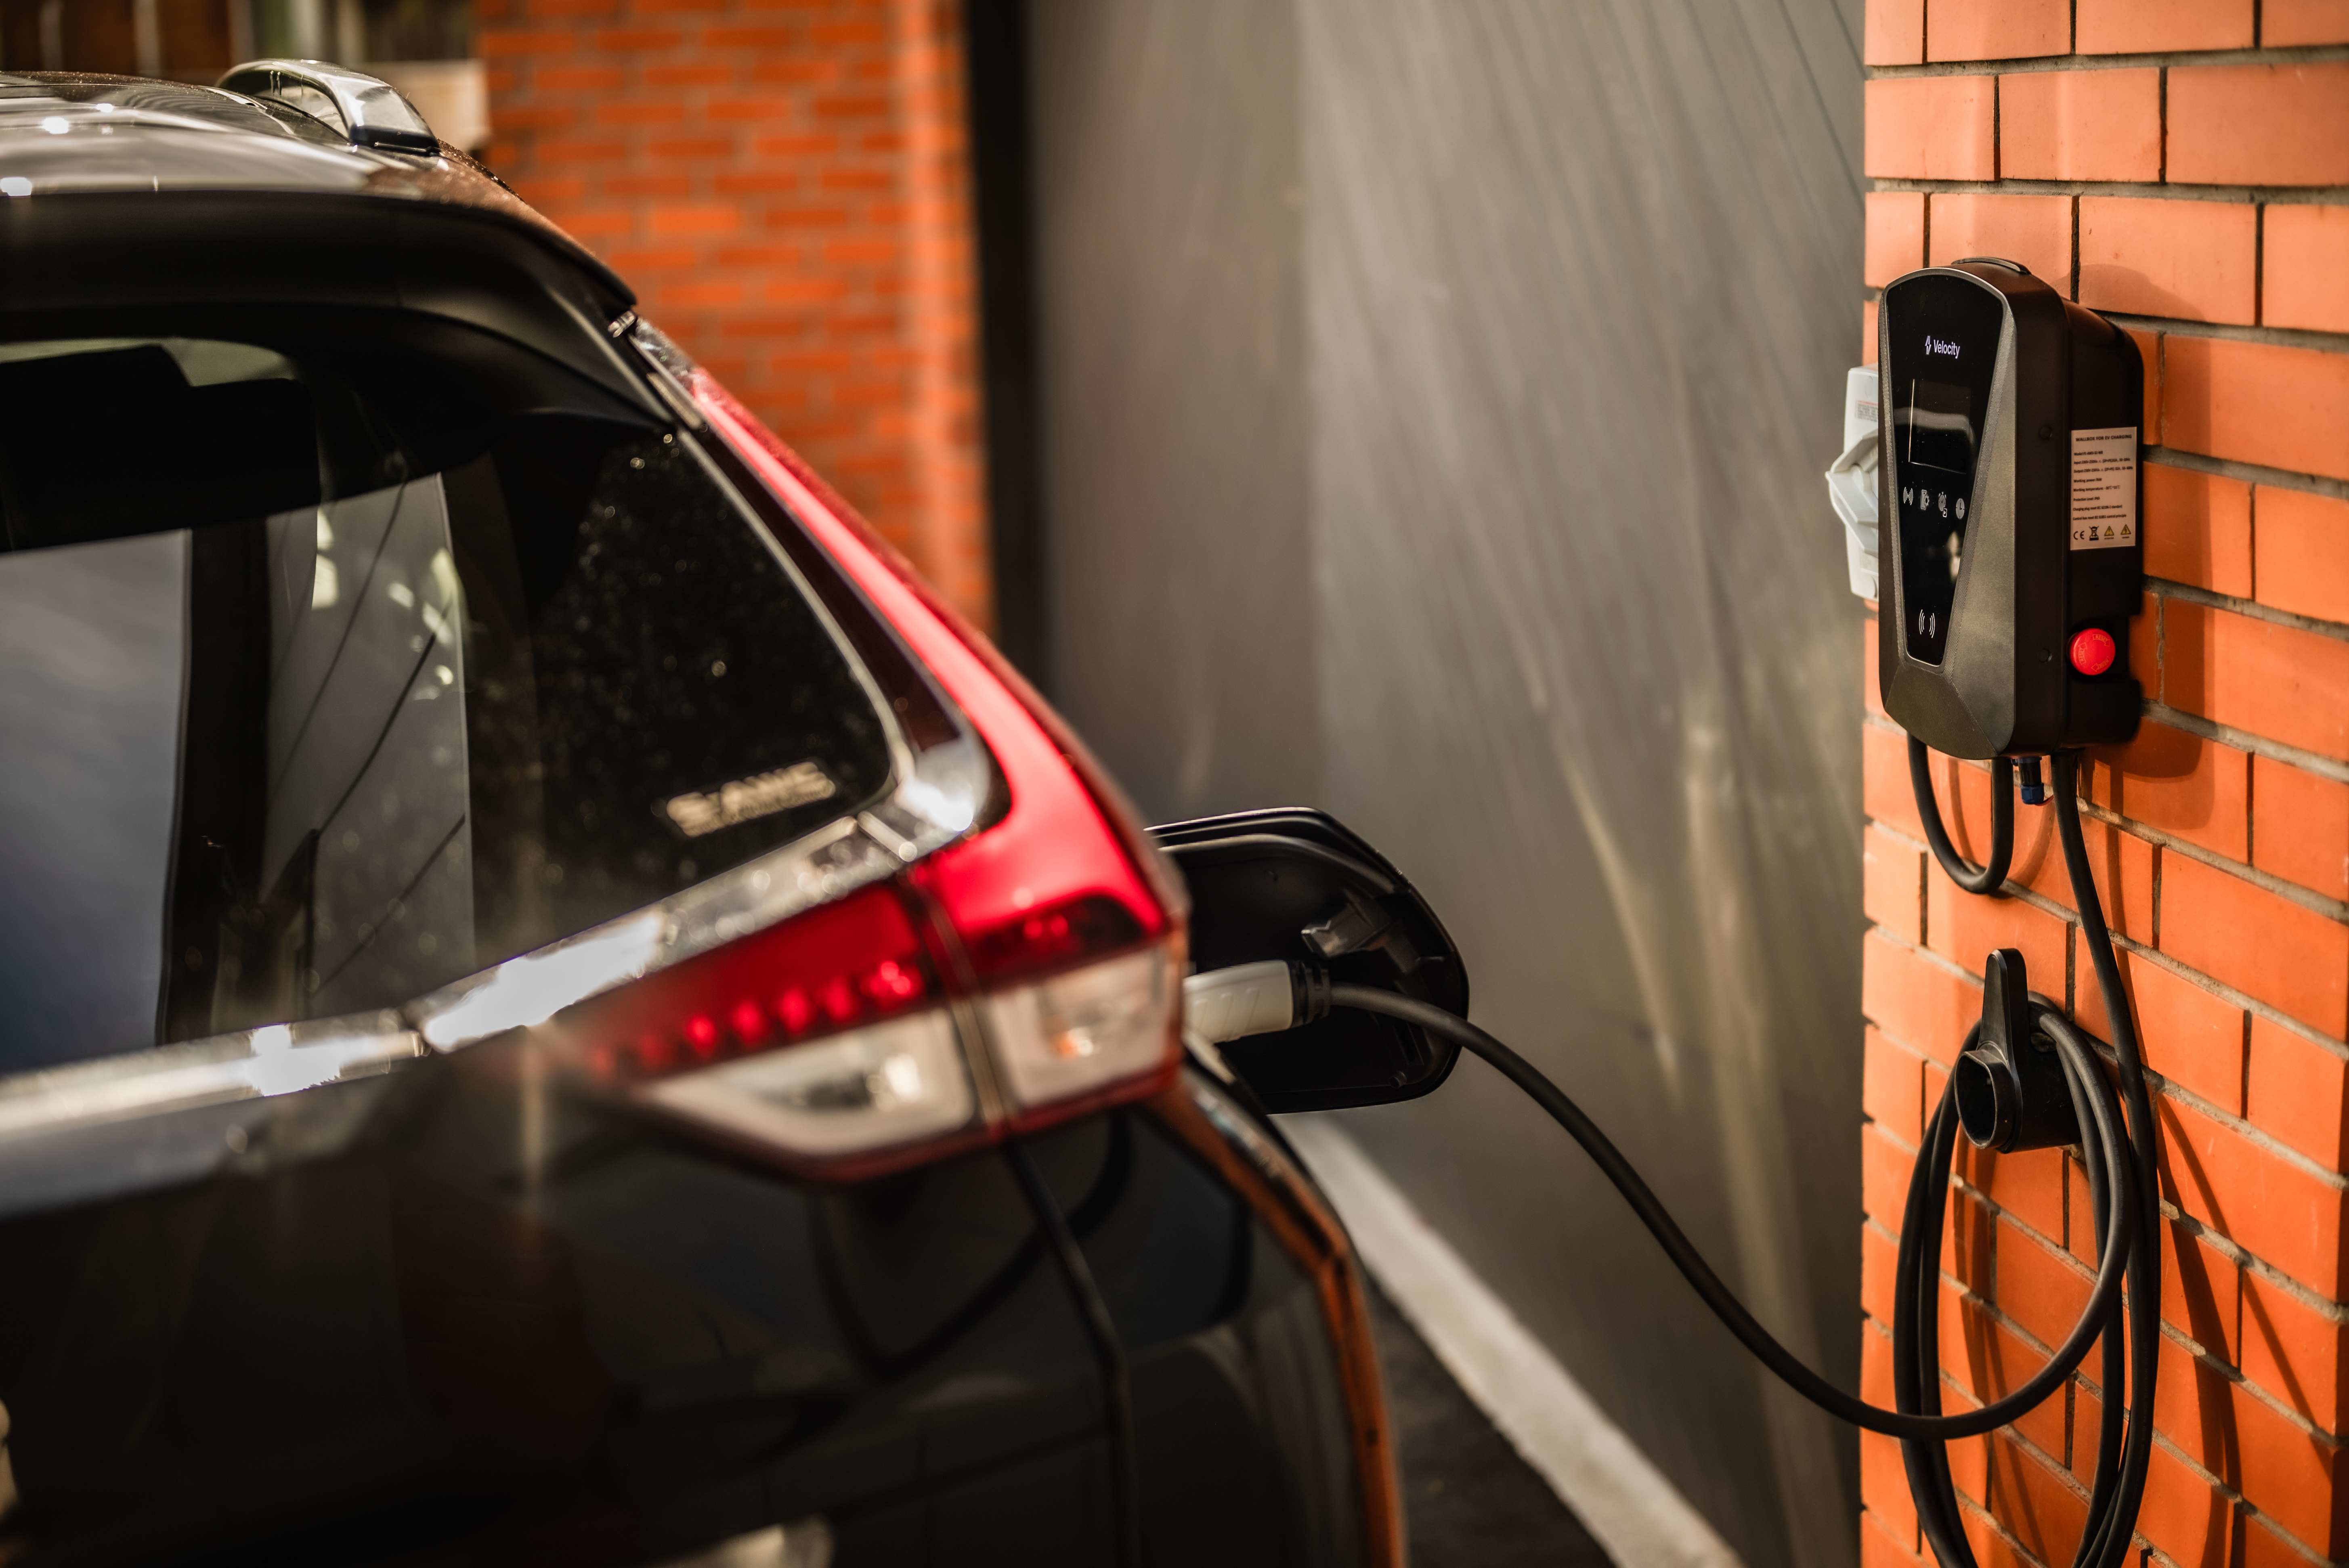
(936, 800)
(251, 1064)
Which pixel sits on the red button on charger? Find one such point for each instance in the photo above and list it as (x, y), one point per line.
(2092, 651)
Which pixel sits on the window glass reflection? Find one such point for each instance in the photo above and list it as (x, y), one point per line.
(275, 762)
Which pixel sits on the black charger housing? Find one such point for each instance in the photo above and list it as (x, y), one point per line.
(2009, 502)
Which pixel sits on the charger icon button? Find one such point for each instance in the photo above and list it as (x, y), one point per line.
(2093, 651)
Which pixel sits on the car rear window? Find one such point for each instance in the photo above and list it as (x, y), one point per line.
(310, 703)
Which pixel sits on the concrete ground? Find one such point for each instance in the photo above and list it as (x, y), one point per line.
(1469, 1501)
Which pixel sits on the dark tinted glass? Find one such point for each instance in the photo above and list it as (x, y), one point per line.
(1943, 333)
(303, 728)
(1941, 426)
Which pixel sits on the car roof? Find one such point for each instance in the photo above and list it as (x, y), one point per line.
(79, 132)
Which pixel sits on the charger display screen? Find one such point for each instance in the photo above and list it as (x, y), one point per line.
(1941, 339)
(1941, 426)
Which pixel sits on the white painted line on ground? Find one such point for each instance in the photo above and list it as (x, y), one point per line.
(1623, 1499)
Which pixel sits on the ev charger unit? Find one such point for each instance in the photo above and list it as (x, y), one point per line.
(2000, 424)
(2007, 490)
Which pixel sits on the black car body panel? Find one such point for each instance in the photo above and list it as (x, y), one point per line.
(354, 1282)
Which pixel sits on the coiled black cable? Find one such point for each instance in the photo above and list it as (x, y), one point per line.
(2120, 1161)
(1991, 876)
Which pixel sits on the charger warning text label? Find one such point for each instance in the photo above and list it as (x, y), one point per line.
(2103, 489)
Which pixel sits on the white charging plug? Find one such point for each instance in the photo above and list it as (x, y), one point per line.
(1244, 999)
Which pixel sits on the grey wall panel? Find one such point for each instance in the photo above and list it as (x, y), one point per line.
(1574, 289)
(1167, 204)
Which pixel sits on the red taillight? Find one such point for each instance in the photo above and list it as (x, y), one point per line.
(833, 1039)
(836, 967)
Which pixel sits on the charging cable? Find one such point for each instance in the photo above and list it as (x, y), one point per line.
(2003, 1095)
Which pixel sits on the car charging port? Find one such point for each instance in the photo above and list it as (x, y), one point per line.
(2011, 1090)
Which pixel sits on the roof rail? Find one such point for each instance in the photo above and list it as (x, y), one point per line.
(366, 111)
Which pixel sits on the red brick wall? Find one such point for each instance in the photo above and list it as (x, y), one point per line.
(785, 184)
(2183, 165)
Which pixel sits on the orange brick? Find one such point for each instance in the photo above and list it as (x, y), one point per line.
(2040, 1288)
(2259, 402)
(1992, 1550)
(577, 79)
(2277, 681)
(1877, 1547)
(1893, 882)
(2035, 231)
(2304, 261)
(2004, 1363)
(2302, 829)
(2259, 125)
(690, 73)
(2043, 1509)
(1880, 1259)
(1888, 1536)
(581, 149)
(2288, 22)
(2161, 26)
(506, 43)
(1892, 1092)
(2080, 124)
(1969, 1238)
(2299, 1093)
(653, 185)
(1884, 779)
(2276, 1211)
(1965, 927)
(1875, 1366)
(636, 40)
(2167, 778)
(2083, 1238)
(623, 111)
(2264, 1546)
(2186, 1033)
(2184, 1515)
(694, 220)
(2294, 1350)
(2198, 529)
(2193, 1407)
(1896, 235)
(2235, 932)
(1931, 127)
(1884, 1168)
(2192, 261)
(1868, 341)
(1871, 695)
(2145, 645)
(2302, 552)
(2120, 865)
(1894, 33)
(1915, 1000)
(2148, 348)
(2289, 1473)
(1997, 29)
(2028, 1184)
(2202, 1292)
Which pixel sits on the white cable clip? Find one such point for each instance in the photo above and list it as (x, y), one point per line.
(1851, 480)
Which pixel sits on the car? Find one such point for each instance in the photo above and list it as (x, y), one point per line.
(560, 1006)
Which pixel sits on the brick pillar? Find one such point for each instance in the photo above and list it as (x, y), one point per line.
(787, 188)
(2184, 168)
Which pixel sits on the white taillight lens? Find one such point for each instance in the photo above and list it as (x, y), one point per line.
(1079, 1032)
(863, 1092)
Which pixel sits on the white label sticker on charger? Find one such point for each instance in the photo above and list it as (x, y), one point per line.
(2103, 489)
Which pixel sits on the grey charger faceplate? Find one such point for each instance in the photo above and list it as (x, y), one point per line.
(2009, 494)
